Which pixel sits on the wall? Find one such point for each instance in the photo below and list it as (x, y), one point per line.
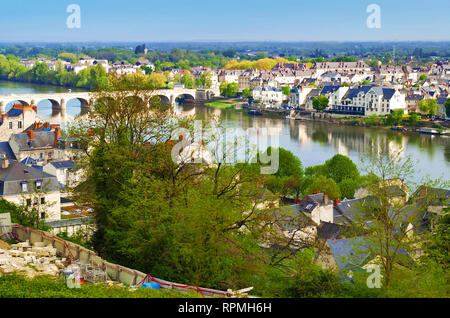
(52, 206)
(116, 272)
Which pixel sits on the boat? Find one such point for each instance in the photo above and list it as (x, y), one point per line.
(293, 118)
(398, 128)
(254, 112)
(430, 131)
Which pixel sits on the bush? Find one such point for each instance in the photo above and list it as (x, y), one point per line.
(16, 285)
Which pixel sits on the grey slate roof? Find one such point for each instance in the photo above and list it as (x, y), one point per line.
(15, 112)
(16, 173)
(6, 151)
(30, 161)
(351, 209)
(42, 139)
(436, 196)
(327, 230)
(349, 253)
(62, 164)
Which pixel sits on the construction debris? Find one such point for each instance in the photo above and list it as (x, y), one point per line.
(34, 260)
(4, 245)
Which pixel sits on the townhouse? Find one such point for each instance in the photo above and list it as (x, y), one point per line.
(16, 120)
(30, 187)
(368, 100)
(269, 96)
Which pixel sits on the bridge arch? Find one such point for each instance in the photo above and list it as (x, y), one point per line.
(73, 104)
(185, 98)
(163, 99)
(83, 102)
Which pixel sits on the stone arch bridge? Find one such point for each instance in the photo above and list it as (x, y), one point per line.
(59, 100)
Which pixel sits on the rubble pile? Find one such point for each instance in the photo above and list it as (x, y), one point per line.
(35, 260)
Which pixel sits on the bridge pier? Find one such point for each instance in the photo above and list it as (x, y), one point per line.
(63, 108)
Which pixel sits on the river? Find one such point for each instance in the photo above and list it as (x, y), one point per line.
(312, 142)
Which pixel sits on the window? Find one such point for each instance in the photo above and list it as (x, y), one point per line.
(42, 215)
(22, 202)
(36, 201)
(10, 125)
(19, 124)
(24, 186)
(28, 202)
(42, 200)
(41, 155)
(38, 185)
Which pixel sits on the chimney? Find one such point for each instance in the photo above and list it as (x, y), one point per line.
(5, 163)
(30, 134)
(325, 199)
(57, 135)
(46, 125)
(34, 108)
(336, 201)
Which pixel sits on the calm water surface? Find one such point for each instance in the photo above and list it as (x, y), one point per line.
(316, 142)
(312, 142)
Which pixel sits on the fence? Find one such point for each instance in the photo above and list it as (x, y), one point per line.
(118, 273)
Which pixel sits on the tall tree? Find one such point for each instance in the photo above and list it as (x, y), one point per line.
(320, 102)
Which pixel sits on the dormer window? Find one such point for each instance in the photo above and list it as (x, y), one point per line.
(24, 185)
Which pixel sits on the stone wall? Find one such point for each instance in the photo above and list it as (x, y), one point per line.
(116, 272)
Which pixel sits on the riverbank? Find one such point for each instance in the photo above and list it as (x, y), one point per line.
(432, 127)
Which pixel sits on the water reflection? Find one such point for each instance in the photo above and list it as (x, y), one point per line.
(315, 142)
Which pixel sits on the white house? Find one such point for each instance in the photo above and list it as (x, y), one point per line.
(269, 96)
(28, 186)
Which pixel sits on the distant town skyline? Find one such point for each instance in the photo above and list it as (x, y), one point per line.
(223, 21)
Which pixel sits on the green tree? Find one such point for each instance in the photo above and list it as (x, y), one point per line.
(341, 167)
(193, 223)
(206, 79)
(286, 90)
(428, 106)
(347, 188)
(232, 89)
(246, 92)
(438, 247)
(320, 102)
(293, 185)
(223, 88)
(395, 118)
(288, 163)
(322, 184)
(447, 107)
(187, 80)
(414, 118)
(391, 234)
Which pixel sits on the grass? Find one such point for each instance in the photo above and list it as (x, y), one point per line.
(16, 285)
(222, 105)
(70, 216)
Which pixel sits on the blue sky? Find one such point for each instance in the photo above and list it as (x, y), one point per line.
(223, 20)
